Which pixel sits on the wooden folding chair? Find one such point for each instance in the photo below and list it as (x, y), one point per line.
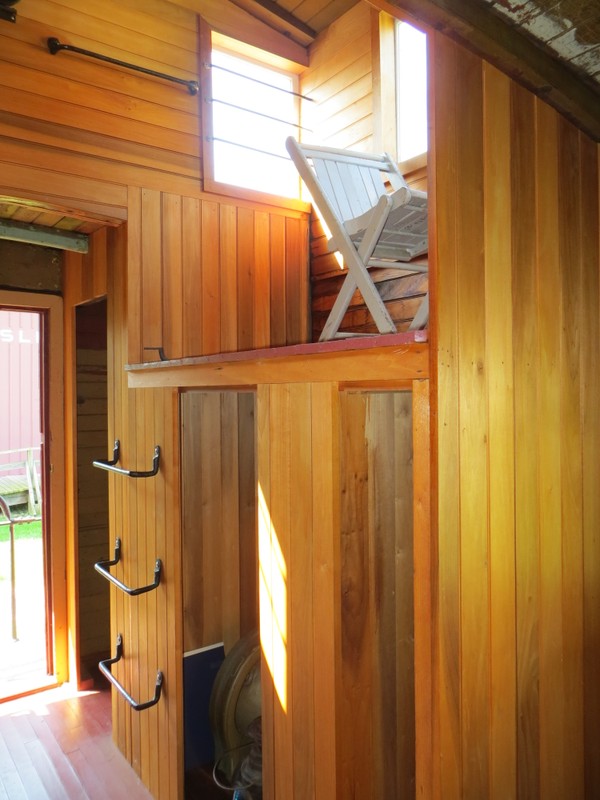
(374, 220)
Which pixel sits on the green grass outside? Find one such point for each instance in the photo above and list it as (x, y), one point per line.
(24, 530)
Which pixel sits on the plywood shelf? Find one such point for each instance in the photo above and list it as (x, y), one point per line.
(394, 360)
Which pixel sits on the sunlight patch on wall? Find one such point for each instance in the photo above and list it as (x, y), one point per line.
(273, 600)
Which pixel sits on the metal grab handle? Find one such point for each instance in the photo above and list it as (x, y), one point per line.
(110, 466)
(54, 46)
(105, 670)
(102, 568)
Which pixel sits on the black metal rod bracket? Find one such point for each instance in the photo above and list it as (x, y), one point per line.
(110, 465)
(104, 667)
(54, 47)
(102, 568)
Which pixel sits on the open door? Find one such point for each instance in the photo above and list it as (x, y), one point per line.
(32, 519)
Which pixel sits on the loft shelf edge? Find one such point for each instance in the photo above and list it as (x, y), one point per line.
(390, 358)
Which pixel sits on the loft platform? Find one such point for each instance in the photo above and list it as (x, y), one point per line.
(393, 361)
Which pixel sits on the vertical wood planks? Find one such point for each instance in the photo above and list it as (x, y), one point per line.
(498, 335)
(145, 514)
(299, 571)
(551, 702)
(525, 528)
(590, 410)
(514, 357)
(571, 272)
(327, 645)
(445, 67)
(211, 277)
(219, 517)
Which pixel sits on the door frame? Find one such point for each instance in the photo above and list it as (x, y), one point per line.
(52, 394)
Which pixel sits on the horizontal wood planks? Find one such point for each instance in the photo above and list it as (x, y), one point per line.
(339, 81)
(107, 104)
(517, 269)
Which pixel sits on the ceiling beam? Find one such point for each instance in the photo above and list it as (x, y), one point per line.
(237, 23)
(473, 25)
(43, 237)
(279, 19)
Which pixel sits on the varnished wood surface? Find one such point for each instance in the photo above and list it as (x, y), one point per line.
(57, 745)
(517, 268)
(220, 565)
(398, 358)
(351, 78)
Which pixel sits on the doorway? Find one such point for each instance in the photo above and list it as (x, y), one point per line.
(32, 536)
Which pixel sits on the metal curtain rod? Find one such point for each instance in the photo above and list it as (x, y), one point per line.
(54, 46)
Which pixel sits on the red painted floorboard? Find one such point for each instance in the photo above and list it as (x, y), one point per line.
(57, 745)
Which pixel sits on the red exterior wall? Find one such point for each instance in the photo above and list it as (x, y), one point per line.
(19, 382)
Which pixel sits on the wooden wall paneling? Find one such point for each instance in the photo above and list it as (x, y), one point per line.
(277, 289)
(327, 633)
(497, 198)
(262, 282)
(302, 713)
(358, 639)
(571, 273)
(168, 540)
(191, 309)
(425, 569)
(145, 514)
(401, 504)
(473, 477)
(160, 40)
(297, 285)
(590, 391)
(152, 276)
(447, 774)
(551, 700)
(211, 516)
(245, 286)
(339, 79)
(211, 278)
(219, 508)
(248, 546)
(70, 190)
(134, 311)
(172, 275)
(92, 153)
(193, 575)
(117, 488)
(266, 613)
(520, 141)
(390, 462)
(230, 533)
(281, 403)
(229, 277)
(299, 658)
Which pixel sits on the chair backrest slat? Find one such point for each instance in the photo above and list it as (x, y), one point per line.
(352, 182)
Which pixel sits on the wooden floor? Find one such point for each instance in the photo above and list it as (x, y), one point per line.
(57, 745)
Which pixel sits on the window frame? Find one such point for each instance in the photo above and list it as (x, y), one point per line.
(210, 39)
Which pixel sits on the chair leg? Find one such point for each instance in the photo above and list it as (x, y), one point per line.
(421, 318)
